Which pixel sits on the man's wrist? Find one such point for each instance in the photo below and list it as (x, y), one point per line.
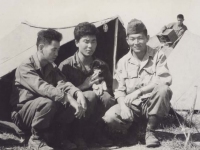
(64, 99)
(120, 101)
(77, 94)
(140, 92)
(68, 98)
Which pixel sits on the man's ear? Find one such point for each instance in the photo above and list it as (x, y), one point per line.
(148, 38)
(41, 47)
(77, 43)
(127, 39)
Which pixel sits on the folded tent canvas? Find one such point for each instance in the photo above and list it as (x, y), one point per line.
(21, 43)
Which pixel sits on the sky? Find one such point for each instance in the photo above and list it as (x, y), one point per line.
(61, 13)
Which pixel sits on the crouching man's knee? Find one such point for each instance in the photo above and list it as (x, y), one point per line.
(45, 113)
(91, 100)
(164, 91)
(159, 103)
(114, 121)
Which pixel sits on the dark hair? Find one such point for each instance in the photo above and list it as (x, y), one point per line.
(47, 36)
(84, 28)
(145, 32)
(180, 16)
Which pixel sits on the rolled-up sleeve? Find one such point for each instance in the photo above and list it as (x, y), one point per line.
(120, 91)
(169, 26)
(162, 71)
(30, 79)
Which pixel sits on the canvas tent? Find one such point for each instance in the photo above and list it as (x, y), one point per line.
(21, 43)
(183, 64)
(182, 60)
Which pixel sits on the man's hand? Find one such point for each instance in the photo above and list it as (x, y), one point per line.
(82, 101)
(79, 109)
(98, 89)
(89, 81)
(126, 113)
(131, 97)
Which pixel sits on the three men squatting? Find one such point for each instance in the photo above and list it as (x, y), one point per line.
(57, 106)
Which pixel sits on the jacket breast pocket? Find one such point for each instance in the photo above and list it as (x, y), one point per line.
(148, 75)
(132, 74)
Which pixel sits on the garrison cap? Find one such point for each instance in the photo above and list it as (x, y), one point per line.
(135, 26)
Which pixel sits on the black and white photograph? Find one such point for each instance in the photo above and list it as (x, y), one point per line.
(99, 75)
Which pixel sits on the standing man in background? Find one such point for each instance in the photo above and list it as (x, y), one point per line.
(178, 26)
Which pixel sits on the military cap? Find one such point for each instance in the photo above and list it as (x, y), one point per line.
(135, 26)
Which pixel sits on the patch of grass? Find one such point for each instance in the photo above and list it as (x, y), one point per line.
(170, 134)
(175, 138)
(177, 144)
(9, 141)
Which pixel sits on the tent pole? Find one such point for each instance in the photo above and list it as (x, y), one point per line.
(115, 45)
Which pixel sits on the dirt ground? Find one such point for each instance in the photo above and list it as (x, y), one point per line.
(170, 134)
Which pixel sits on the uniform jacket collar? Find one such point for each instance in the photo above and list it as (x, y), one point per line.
(76, 61)
(44, 70)
(149, 54)
(36, 62)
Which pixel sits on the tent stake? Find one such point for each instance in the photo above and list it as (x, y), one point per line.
(190, 119)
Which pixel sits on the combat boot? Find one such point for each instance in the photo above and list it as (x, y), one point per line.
(38, 144)
(150, 137)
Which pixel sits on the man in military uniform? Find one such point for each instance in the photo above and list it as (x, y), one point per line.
(42, 99)
(143, 85)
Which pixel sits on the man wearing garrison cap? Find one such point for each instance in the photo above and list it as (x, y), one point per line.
(143, 86)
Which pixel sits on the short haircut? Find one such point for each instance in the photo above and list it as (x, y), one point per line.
(47, 36)
(145, 32)
(180, 16)
(83, 29)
